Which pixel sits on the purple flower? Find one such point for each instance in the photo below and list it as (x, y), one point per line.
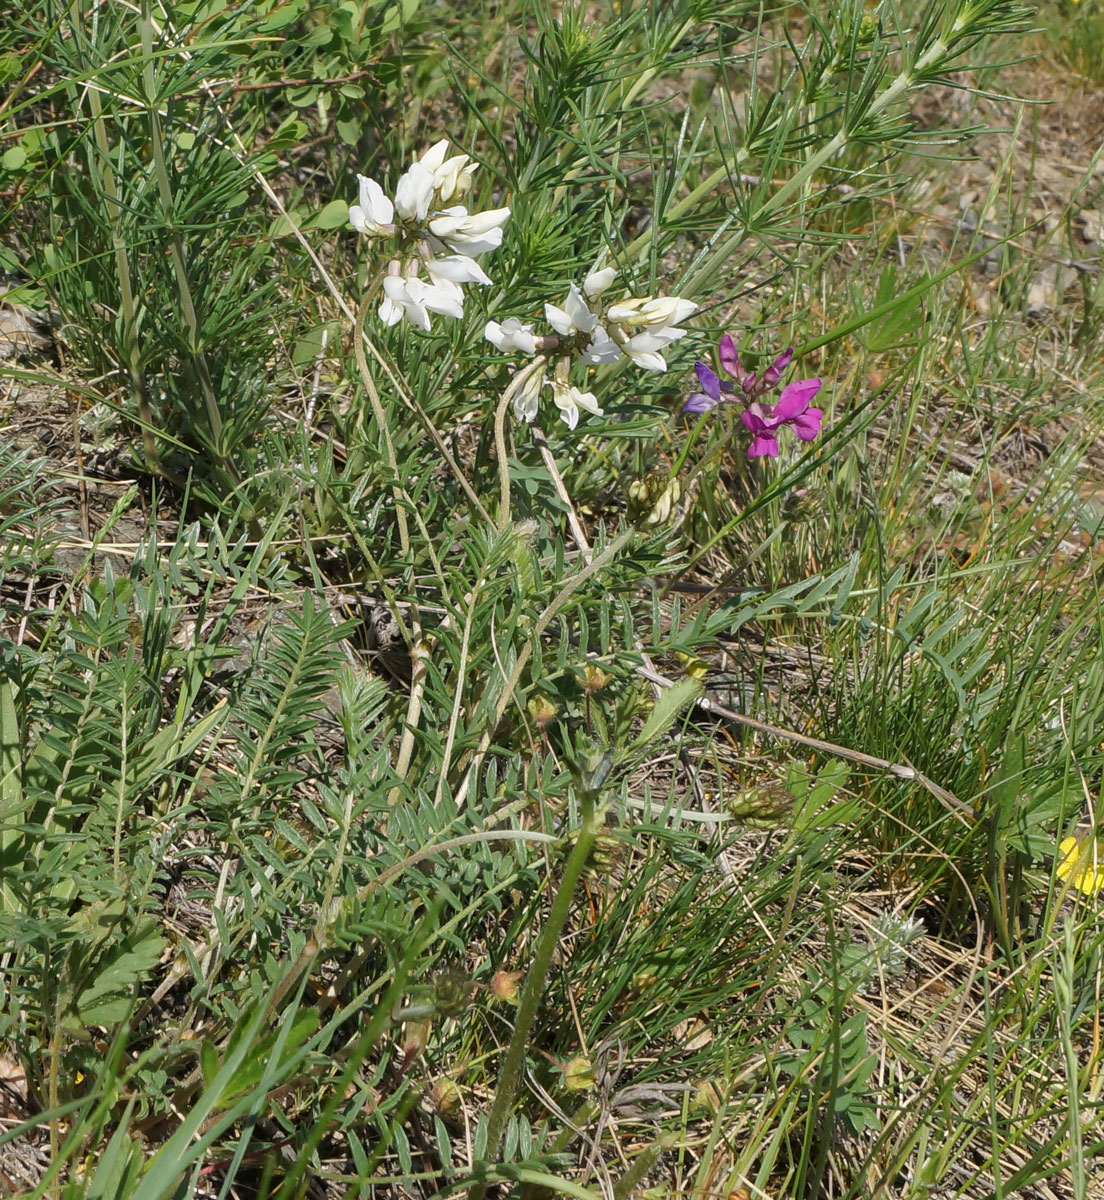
(761, 419)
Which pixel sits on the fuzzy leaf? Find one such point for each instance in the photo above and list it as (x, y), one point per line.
(668, 706)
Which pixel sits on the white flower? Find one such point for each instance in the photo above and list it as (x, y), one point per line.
(375, 213)
(602, 348)
(413, 299)
(451, 176)
(643, 348)
(569, 400)
(527, 397)
(597, 282)
(444, 239)
(512, 334)
(654, 314)
(414, 195)
(573, 318)
(399, 302)
(469, 233)
(435, 155)
(656, 320)
(456, 268)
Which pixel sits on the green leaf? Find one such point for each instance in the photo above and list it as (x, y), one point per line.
(106, 998)
(333, 216)
(398, 15)
(119, 1165)
(668, 706)
(284, 16)
(349, 130)
(208, 1061)
(11, 791)
(813, 808)
(13, 159)
(248, 1073)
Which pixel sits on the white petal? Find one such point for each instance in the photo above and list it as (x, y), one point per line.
(374, 213)
(580, 316)
(453, 177)
(527, 399)
(649, 340)
(470, 233)
(559, 320)
(414, 193)
(375, 202)
(458, 268)
(512, 334)
(435, 155)
(569, 414)
(479, 223)
(569, 400)
(448, 219)
(597, 281)
(444, 297)
(623, 311)
(650, 361)
(390, 313)
(587, 400)
(408, 296)
(668, 310)
(683, 309)
(602, 348)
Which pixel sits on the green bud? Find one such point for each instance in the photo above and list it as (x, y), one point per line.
(579, 1074)
(652, 498)
(765, 804)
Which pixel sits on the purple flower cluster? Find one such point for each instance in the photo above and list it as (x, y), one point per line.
(761, 419)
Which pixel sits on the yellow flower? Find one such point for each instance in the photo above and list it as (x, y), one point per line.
(1080, 865)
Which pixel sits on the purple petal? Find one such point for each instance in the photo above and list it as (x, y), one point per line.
(773, 373)
(807, 425)
(708, 380)
(759, 415)
(795, 398)
(763, 444)
(699, 402)
(730, 360)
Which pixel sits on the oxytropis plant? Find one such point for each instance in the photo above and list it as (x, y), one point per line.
(423, 230)
(589, 333)
(762, 419)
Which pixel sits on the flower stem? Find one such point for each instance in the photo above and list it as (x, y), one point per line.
(532, 988)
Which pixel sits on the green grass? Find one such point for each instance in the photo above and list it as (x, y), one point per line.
(368, 823)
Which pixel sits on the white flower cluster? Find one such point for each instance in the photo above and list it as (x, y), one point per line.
(437, 235)
(637, 329)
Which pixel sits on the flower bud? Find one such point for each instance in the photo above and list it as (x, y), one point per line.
(644, 981)
(594, 678)
(505, 985)
(579, 1074)
(445, 1096)
(708, 1096)
(803, 505)
(415, 1038)
(652, 498)
(696, 668)
(542, 710)
(452, 993)
(767, 804)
